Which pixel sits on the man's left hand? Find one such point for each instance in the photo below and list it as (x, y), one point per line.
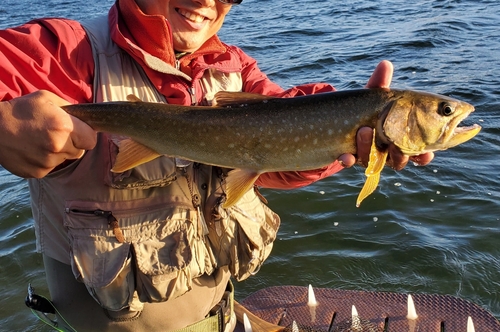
(381, 78)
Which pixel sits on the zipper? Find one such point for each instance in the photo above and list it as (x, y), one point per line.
(112, 221)
(192, 92)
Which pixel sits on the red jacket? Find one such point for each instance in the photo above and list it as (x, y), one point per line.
(55, 55)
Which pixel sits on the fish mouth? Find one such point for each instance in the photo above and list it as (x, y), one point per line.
(454, 134)
(462, 134)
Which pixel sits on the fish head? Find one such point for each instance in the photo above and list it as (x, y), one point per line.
(419, 122)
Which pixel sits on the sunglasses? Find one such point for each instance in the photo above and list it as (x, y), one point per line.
(231, 2)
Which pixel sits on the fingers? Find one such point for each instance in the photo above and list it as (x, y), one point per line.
(67, 136)
(347, 160)
(364, 139)
(396, 159)
(36, 135)
(82, 136)
(423, 159)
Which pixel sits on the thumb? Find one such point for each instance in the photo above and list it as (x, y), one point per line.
(382, 75)
(82, 136)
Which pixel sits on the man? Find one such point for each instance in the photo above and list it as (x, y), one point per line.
(152, 248)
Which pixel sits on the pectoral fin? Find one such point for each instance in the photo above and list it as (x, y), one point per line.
(132, 154)
(375, 165)
(238, 182)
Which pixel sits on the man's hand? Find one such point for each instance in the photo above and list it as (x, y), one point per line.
(381, 78)
(36, 135)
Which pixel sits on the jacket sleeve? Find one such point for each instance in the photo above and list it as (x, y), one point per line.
(48, 54)
(255, 81)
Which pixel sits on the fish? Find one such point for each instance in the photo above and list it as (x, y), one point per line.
(252, 134)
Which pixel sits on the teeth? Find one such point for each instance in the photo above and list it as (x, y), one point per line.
(192, 16)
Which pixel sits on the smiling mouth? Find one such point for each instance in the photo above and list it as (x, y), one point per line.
(193, 17)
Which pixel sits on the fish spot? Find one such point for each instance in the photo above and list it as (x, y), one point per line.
(340, 130)
(231, 145)
(346, 122)
(285, 149)
(330, 132)
(296, 139)
(315, 141)
(202, 143)
(267, 146)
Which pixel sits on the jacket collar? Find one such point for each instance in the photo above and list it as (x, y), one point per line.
(146, 44)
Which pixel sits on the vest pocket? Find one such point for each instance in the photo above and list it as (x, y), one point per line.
(126, 256)
(162, 265)
(158, 172)
(250, 228)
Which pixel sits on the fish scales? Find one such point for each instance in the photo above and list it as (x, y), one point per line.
(304, 132)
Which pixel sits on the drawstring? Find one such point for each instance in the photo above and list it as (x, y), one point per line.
(196, 200)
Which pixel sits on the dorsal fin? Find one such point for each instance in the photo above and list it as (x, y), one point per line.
(226, 98)
(134, 99)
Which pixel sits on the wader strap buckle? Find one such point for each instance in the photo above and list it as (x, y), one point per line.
(223, 310)
(219, 316)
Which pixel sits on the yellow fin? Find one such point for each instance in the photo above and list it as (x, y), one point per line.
(226, 98)
(375, 165)
(132, 154)
(134, 99)
(238, 182)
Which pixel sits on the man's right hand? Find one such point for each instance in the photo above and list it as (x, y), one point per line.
(36, 135)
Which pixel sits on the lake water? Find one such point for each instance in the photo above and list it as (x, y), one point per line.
(432, 229)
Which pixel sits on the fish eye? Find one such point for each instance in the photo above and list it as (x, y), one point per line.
(446, 109)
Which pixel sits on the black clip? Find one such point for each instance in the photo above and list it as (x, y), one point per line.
(38, 303)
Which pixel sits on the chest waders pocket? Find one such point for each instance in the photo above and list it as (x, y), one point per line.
(127, 255)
